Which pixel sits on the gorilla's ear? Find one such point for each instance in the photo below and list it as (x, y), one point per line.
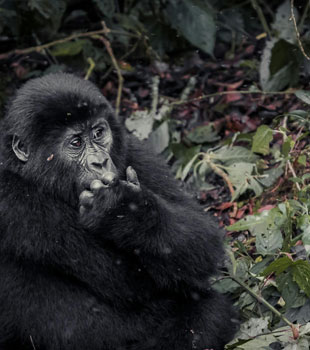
(20, 150)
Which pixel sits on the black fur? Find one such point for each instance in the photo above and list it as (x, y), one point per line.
(138, 282)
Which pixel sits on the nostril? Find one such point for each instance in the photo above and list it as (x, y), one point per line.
(97, 165)
(97, 162)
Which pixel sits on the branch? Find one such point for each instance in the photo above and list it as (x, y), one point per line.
(297, 32)
(39, 48)
(263, 301)
(116, 66)
(223, 93)
(261, 17)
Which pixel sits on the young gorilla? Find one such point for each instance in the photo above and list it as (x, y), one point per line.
(99, 248)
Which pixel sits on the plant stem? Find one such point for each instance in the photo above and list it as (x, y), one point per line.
(116, 66)
(64, 40)
(222, 93)
(262, 301)
(261, 17)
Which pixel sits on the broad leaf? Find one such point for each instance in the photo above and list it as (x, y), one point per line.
(304, 96)
(70, 48)
(269, 241)
(230, 155)
(289, 290)
(262, 139)
(140, 123)
(106, 7)
(194, 21)
(278, 266)
(202, 134)
(240, 175)
(301, 275)
(159, 138)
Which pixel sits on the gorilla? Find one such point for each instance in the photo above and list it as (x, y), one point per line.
(100, 248)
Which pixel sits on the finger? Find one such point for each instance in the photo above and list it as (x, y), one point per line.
(82, 210)
(109, 179)
(96, 185)
(129, 185)
(132, 175)
(86, 198)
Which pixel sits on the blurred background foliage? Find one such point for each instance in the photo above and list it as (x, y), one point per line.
(220, 89)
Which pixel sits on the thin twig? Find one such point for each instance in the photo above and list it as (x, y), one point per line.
(116, 66)
(92, 65)
(134, 47)
(224, 176)
(155, 86)
(294, 174)
(32, 343)
(223, 93)
(39, 48)
(297, 32)
(261, 17)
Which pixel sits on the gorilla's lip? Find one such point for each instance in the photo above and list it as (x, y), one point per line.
(90, 177)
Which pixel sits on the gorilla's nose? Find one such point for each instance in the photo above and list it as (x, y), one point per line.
(97, 163)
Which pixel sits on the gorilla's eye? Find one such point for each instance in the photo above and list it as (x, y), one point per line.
(76, 142)
(98, 133)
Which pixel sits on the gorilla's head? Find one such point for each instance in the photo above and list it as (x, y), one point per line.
(61, 133)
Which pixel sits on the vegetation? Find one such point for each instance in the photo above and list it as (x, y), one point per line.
(220, 88)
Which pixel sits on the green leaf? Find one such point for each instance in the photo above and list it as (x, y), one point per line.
(261, 140)
(302, 160)
(106, 7)
(46, 8)
(183, 153)
(194, 21)
(70, 48)
(202, 134)
(305, 177)
(230, 155)
(303, 95)
(225, 285)
(240, 175)
(250, 222)
(289, 290)
(283, 25)
(279, 65)
(287, 146)
(188, 167)
(301, 275)
(140, 123)
(266, 226)
(304, 226)
(51, 12)
(253, 327)
(159, 138)
(269, 241)
(271, 176)
(278, 266)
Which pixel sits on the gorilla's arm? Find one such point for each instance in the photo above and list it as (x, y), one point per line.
(41, 309)
(175, 241)
(40, 231)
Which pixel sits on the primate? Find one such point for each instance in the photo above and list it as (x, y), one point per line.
(99, 247)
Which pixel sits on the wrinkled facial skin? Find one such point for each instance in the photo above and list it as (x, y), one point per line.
(88, 145)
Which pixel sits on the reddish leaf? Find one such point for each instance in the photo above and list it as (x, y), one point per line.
(266, 207)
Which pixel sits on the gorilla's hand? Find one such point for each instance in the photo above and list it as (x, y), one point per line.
(109, 193)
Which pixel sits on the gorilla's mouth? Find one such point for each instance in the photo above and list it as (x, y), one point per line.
(89, 177)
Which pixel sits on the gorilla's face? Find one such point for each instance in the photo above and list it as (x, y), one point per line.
(84, 146)
(88, 144)
(65, 135)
